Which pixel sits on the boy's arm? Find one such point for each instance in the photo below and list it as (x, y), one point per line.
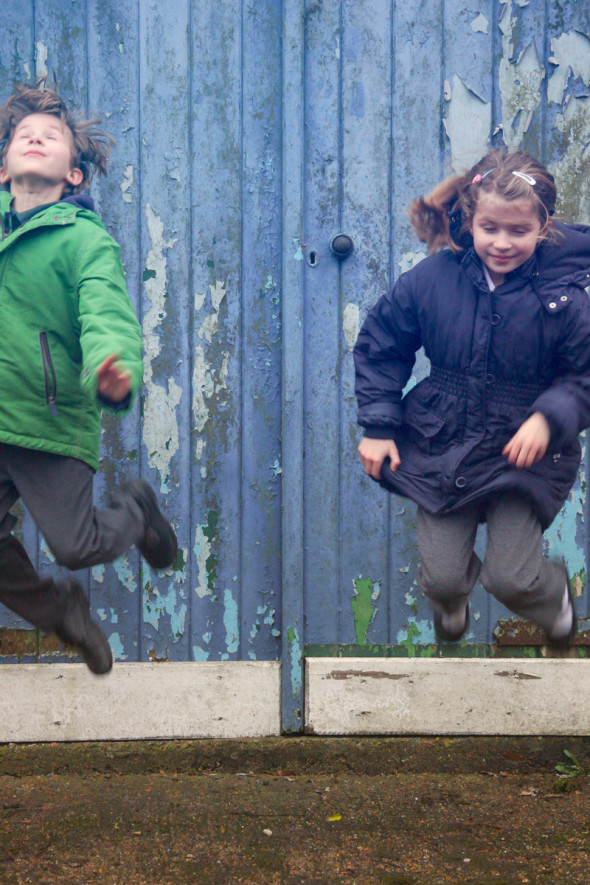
(110, 336)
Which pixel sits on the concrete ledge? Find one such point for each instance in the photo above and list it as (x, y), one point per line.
(65, 702)
(428, 696)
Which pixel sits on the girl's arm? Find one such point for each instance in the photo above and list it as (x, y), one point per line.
(566, 403)
(529, 443)
(373, 453)
(384, 356)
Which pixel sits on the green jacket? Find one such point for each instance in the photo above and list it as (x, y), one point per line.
(63, 309)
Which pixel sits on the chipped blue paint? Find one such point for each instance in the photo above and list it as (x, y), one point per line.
(98, 573)
(117, 647)
(124, 572)
(200, 654)
(295, 656)
(230, 622)
(298, 256)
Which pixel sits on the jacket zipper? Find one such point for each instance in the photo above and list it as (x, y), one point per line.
(49, 374)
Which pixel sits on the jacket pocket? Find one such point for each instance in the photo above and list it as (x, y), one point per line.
(422, 425)
(48, 374)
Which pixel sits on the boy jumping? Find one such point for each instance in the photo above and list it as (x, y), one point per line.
(71, 345)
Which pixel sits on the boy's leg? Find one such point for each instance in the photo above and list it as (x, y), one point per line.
(516, 572)
(449, 567)
(58, 493)
(53, 607)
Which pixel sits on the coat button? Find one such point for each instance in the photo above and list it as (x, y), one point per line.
(563, 298)
(490, 379)
(553, 305)
(460, 482)
(495, 319)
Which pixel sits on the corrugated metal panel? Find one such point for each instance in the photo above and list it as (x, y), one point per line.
(248, 135)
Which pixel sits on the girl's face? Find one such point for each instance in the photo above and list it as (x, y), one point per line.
(505, 233)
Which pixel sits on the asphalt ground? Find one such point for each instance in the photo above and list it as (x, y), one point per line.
(297, 811)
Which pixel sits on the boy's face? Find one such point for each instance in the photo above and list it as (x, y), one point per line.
(40, 154)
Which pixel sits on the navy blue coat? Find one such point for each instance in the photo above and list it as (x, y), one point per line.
(496, 357)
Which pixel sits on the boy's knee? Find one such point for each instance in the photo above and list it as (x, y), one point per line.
(68, 556)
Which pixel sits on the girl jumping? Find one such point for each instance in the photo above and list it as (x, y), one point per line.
(491, 435)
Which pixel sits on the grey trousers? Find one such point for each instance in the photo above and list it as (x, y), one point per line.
(514, 569)
(57, 492)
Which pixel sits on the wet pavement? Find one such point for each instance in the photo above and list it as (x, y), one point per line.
(297, 811)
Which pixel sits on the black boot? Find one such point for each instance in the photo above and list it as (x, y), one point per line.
(77, 628)
(59, 608)
(158, 545)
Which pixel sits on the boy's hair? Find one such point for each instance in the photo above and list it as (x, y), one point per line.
(443, 217)
(91, 146)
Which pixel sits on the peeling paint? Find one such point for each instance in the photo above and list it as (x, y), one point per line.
(571, 172)
(480, 25)
(127, 184)
(98, 573)
(117, 647)
(366, 594)
(295, 654)
(561, 536)
(160, 426)
(230, 622)
(210, 326)
(417, 630)
(200, 654)
(207, 381)
(125, 574)
(410, 260)
(571, 54)
(519, 82)
(351, 324)
(41, 52)
(206, 560)
(156, 603)
(46, 551)
(467, 124)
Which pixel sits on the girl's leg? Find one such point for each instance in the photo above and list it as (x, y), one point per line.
(449, 567)
(516, 572)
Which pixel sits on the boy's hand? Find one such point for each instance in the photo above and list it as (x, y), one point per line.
(529, 443)
(373, 453)
(113, 383)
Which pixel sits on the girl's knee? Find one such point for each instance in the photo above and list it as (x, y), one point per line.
(503, 585)
(443, 585)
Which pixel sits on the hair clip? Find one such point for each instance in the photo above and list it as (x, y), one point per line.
(526, 177)
(477, 179)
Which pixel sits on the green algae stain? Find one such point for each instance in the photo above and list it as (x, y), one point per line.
(363, 609)
(408, 643)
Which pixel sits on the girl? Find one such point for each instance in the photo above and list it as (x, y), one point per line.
(492, 433)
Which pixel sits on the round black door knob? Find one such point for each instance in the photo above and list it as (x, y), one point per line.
(341, 246)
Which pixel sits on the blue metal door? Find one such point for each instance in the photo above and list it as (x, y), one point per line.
(398, 95)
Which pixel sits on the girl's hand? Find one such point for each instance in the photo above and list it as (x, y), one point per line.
(373, 453)
(529, 443)
(113, 383)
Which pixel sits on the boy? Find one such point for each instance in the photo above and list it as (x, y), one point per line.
(71, 345)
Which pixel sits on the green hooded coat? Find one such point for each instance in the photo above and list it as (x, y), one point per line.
(64, 309)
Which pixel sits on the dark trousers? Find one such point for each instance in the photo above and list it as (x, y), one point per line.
(57, 492)
(514, 569)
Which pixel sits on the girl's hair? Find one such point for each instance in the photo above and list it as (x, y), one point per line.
(91, 147)
(443, 217)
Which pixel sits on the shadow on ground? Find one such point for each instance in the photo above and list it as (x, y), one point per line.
(296, 811)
